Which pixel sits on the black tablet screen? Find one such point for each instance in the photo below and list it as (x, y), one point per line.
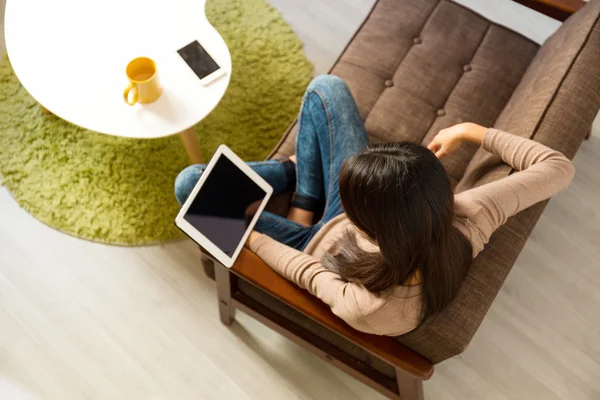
(198, 59)
(225, 205)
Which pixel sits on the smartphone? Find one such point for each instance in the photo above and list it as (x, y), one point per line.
(200, 61)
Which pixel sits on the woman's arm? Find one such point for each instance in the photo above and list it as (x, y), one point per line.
(542, 172)
(308, 273)
(449, 139)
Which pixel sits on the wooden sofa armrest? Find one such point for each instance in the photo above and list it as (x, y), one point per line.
(557, 9)
(251, 268)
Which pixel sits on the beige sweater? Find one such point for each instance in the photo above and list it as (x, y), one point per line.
(478, 213)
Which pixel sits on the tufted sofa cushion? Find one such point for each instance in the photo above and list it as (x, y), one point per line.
(415, 67)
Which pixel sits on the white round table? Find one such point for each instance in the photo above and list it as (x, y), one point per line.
(71, 56)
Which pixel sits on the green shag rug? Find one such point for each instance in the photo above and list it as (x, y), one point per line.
(120, 191)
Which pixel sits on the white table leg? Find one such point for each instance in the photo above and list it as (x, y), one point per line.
(190, 142)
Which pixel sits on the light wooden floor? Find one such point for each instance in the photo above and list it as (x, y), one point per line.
(80, 320)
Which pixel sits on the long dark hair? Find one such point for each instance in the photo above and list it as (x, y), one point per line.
(400, 197)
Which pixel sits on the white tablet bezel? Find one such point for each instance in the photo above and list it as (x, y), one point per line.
(196, 235)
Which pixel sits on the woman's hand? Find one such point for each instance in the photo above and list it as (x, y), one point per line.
(252, 238)
(449, 139)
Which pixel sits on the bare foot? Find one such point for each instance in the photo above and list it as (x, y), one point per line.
(303, 217)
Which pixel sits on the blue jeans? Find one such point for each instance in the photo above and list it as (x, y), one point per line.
(330, 130)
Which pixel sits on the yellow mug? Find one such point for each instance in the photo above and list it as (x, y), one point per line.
(143, 81)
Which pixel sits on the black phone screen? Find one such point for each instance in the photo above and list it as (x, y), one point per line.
(198, 59)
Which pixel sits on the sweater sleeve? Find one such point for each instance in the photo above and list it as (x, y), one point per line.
(307, 272)
(542, 172)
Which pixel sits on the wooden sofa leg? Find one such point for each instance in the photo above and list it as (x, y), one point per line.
(225, 282)
(409, 387)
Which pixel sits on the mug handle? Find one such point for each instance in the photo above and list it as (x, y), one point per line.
(135, 95)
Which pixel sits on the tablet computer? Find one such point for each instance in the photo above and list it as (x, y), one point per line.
(224, 206)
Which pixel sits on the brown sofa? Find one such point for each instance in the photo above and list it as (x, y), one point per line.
(416, 67)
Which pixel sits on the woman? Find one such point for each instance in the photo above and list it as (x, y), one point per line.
(393, 244)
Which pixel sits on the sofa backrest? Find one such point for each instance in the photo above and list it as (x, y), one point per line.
(415, 67)
(555, 104)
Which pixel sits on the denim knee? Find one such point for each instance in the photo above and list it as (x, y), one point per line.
(325, 83)
(186, 180)
(333, 92)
